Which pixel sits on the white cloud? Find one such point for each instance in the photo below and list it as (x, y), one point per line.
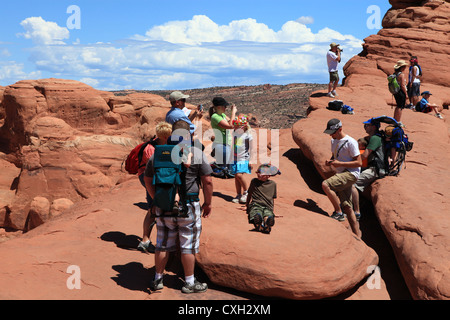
(305, 20)
(195, 53)
(43, 32)
(11, 72)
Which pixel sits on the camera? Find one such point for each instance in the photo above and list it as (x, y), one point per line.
(340, 49)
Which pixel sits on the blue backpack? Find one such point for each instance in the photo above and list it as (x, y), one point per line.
(169, 177)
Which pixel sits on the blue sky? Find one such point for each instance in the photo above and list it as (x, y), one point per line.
(146, 44)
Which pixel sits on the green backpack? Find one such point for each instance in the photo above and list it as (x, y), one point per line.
(394, 86)
(169, 177)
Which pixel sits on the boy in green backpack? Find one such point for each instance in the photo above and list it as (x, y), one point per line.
(186, 228)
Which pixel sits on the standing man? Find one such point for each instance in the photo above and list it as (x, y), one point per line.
(185, 229)
(346, 160)
(333, 59)
(176, 113)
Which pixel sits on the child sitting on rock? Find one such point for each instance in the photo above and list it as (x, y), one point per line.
(260, 199)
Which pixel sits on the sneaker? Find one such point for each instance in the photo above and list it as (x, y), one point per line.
(236, 199)
(257, 221)
(243, 199)
(439, 116)
(330, 95)
(197, 287)
(156, 284)
(339, 216)
(358, 216)
(334, 93)
(267, 226)
(146, 247)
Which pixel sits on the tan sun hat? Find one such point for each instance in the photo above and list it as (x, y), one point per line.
(400, 63)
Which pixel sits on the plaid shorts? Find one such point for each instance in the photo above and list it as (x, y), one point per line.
(186, 230)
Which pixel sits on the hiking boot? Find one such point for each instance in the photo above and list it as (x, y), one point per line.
(236, 199)
(358, 216)
(197, 287)
(156, 284)
(339, 216)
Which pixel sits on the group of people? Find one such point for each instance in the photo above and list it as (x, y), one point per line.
(355, 165)
(232, 146)
(410, 89)
(183, 232)
(409, 83)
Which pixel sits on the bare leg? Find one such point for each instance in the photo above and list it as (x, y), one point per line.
(332, 196)
(354, 224)
(188, 261)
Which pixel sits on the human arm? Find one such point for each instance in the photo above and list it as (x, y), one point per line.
(338, 54)
(207, 195)
(149, 186)
(227, 123)
(355, 163)
(403, 83)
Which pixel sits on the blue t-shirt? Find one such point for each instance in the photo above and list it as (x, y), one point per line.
(176, 114)
(420, 107)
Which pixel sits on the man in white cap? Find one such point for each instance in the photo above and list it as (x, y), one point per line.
(176, 113)
(346, 161)
(333, 59)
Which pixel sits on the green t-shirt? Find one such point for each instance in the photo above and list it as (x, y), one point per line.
(374, 143)
(215, 120)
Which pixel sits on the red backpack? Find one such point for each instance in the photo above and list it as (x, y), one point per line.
(133, 160)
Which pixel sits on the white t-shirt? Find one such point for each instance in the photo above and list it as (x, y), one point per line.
(416, 80)
(332, 61)
(345, 150)
(242, 142)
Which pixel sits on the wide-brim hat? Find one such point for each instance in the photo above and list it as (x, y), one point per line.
(334, 44)
(400, 63)
(267, 169)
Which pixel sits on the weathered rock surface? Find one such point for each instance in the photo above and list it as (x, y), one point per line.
(63, 158)
(100, 234)
(413, 207)
(69, 140)
(297, 260)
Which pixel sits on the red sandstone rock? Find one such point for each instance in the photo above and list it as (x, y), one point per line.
(70, 139)
(412, 207)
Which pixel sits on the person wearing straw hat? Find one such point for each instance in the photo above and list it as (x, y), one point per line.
(400, 96)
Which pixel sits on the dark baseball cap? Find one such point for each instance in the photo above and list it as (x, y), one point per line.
(219, 101)
(332, 126)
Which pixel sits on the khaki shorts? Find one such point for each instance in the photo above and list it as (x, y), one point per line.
(342, 183)
(334, 76)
